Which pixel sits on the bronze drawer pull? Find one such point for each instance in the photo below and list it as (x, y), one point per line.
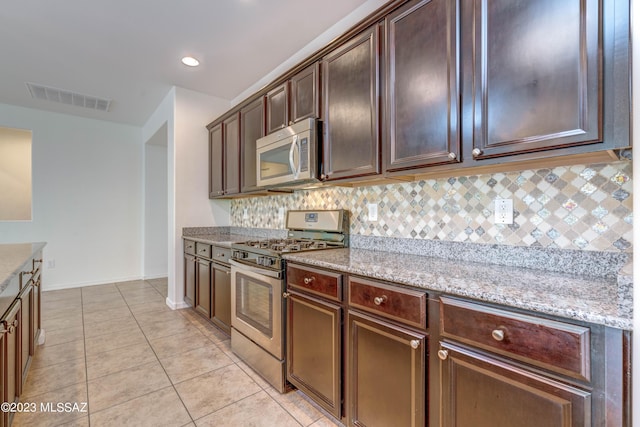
(414, 344)
(308, 280)
(380, 300)
(497, 334)
(443, 354)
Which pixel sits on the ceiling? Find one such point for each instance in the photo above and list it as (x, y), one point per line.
(129, 51)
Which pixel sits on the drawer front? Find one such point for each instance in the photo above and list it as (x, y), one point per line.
(550, 344)
(203, 250)
(405, 305)
(325, 283)
(189, 247)
(221, 254)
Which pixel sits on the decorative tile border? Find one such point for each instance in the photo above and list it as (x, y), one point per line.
(583, 207)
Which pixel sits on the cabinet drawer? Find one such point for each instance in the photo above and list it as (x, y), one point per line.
(221, 254)
(405, 305)
(189, 247)
(550, 344)
(320, 282)
(203, 250)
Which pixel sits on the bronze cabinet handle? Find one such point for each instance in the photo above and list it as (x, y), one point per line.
(380, 300)
(497, 334)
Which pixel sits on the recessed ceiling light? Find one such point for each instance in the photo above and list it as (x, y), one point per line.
(190, 61)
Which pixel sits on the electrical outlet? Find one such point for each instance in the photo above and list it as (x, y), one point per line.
(504, 211)
(51, 263)
(372, 209)
(245, 214)
(281, 214)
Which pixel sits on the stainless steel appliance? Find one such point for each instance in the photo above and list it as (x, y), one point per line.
(257, 285)
(288, 157)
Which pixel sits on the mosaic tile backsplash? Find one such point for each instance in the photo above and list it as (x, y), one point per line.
(585, 207)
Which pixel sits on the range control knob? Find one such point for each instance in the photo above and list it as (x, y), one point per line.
(240, 254)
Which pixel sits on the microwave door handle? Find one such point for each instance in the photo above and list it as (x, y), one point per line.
(294, 169)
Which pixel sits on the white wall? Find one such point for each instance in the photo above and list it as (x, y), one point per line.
(87, 187)
(190, 152)
(186, 114)
(156, 212)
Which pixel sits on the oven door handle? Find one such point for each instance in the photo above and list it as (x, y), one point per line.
(257, 270)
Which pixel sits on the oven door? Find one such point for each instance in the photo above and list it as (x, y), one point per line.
(256, 306)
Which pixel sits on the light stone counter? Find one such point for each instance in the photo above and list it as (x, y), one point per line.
(13, 260)
(600, 300)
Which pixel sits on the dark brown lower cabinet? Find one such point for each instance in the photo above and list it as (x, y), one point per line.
(190, 279)
(12, 366)
(26, 320)
(203, 287)
(37, 310)
(314, 350)
(221, 296)
(479, 391)
(387, 373)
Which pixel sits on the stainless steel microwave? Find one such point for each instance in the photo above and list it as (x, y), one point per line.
(288, 157)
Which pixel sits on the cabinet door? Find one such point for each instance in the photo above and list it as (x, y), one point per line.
(216, 162)
(190, 280)
(37, 308)
(26, 321)
(387, 373)
(304, 94)
(231, 151)
(221, 297)
(12, 355)
(314, 350)
(203, 287)
(350, 91)
(251, 128)
(277, 101)
(481, 391)
(537, 75)
(422, 117)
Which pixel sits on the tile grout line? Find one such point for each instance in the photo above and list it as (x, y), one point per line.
(157, 357)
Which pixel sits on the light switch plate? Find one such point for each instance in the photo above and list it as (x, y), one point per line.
(504, 211)
(372, 209)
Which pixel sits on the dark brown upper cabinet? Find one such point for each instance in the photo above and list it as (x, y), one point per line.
(422, 89)
(305, 88)
(224, 157)
(216, 162)
(350, 99)
(277, 101)
(537, 78)
(251, 128)
(231, 134)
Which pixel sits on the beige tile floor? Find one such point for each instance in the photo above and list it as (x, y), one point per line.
(135, 362)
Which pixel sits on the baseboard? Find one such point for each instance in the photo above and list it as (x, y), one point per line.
(57, 287)
(176, 305)
(156, 276)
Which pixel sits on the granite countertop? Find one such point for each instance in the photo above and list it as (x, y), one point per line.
(13, 257)
(223, 239)
(600, 300)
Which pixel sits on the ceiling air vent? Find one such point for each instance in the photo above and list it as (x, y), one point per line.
(67, 97)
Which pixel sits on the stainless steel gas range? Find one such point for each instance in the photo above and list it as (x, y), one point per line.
(258, 284)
